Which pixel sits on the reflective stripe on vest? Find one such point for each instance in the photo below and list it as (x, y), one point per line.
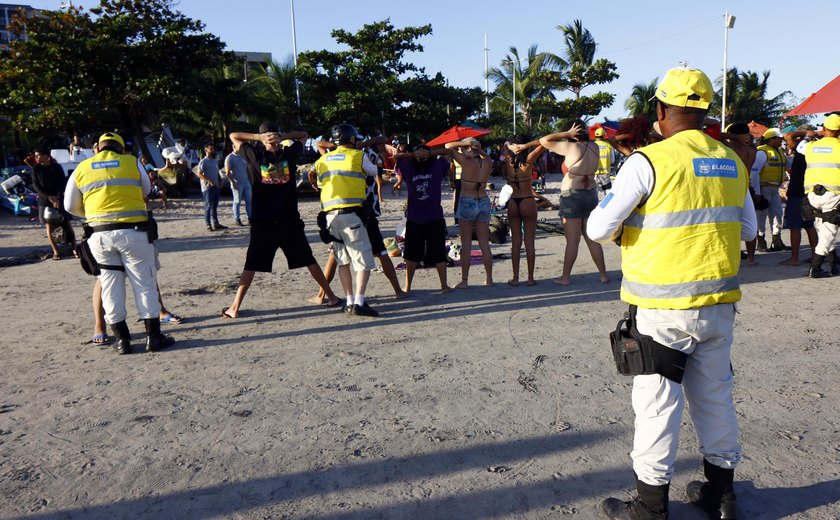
(774, 169)
(458, 171)
(822, 158)
(681, 248)
(342, 178)
(110, 184)
(605, 157)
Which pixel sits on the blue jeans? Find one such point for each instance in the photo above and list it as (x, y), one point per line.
(211, 204)
(241, 193)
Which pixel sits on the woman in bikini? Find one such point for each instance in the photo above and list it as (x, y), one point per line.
(473, 210)
(522, 206)
(578, 193)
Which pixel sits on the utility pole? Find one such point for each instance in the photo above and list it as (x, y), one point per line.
(294, 51)
(486, 80)
(728, 23)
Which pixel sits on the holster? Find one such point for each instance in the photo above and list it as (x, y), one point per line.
(808, 211)
(636, 354)
(151, 228)
(86, 258)
(323, 229)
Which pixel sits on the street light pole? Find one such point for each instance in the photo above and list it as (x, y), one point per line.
(513, 75)
(294, 52)
(728, 23)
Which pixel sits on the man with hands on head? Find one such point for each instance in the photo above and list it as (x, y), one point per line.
(275, 220)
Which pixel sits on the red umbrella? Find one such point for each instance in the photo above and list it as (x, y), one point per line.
(826, 99)
(457, 133)
(608, 130)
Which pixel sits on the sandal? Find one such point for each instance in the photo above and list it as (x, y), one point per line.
(226, 315)
(172, 318)
(56, 256)
(100, 339)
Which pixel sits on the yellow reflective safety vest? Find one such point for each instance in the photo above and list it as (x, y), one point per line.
(773, 172)
(823, 164)
(341, 178)
(111, 188)
(605, 157)
(458, 170)
(681, 248)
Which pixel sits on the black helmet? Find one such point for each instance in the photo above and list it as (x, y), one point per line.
(343, 133)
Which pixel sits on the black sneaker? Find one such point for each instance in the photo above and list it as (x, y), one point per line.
(211, 228)
(364, 310)
(348, 309)
(239, 223)
(219, 226)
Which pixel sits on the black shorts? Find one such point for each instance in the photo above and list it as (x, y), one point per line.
(268, 236)
(377, 243)
(425, 242)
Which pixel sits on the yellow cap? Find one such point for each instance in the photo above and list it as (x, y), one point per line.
(111, 136)
(685, 87)
(771, 133)
(599, 132)
(832, 122)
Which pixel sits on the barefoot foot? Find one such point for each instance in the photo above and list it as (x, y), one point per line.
(513, 282)
(462, 285)
(316, 300)
(445, 289)
(561, 281)
(532, 282)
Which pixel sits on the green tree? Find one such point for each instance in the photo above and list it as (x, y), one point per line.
(747, 98)
(272, 93)
(639, 102)
(533, 93)
(576, 69)
(373, 86)
(122, 64)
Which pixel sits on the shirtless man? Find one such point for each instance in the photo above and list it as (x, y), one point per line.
(578, 193)
(473, 210)
(737, 136)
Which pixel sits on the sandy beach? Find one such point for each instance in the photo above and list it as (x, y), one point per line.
(499, 402)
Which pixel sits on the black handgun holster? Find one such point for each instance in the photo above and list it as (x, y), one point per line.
(636, 354)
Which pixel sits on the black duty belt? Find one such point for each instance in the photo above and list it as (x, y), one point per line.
(138, 226)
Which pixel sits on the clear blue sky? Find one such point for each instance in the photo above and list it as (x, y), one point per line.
(644, 38)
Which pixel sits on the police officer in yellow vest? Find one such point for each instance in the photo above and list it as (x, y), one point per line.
(343, 176)
(822, 186)
(108, 191)
(681, 208)
(606, 157)
(767, 174)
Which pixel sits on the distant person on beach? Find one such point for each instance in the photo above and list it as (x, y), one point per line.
(425, 235)
(793, 221)
(49, 182)
(766, 175)
(680, 208)
(236, 170)
(208, 172)
(822, 184)
(737, 136)
(275, 222)
(578, 193)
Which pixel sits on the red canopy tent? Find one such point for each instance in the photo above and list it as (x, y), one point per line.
(826, 99)
(457, 133)
(609, 130)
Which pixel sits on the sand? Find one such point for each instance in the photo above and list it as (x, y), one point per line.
(495, 402)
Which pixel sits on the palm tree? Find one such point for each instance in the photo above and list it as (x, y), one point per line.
(273, 90)
(746, 98)
(639, 102)
(531, 88)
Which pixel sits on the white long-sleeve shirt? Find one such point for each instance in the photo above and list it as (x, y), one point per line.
(74, 202)
(633, 183)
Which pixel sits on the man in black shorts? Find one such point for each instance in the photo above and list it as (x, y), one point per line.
(275, 222)
(425, 233)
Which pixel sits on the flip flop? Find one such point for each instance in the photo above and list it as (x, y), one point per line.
(226, 315)
(100, 339)
(56, 257)
(173, 318)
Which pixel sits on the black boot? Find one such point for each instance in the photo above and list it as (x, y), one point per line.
(651, 504)
(122, 338)
(154, 339)
(816, 270)
(761, 244)
(834, 262)
(717, 496)
(776, 244)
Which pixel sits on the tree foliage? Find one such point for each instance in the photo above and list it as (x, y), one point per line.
(533, 94)
(639, 102)
(746, 98)
(122, 64)
(372, 85)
